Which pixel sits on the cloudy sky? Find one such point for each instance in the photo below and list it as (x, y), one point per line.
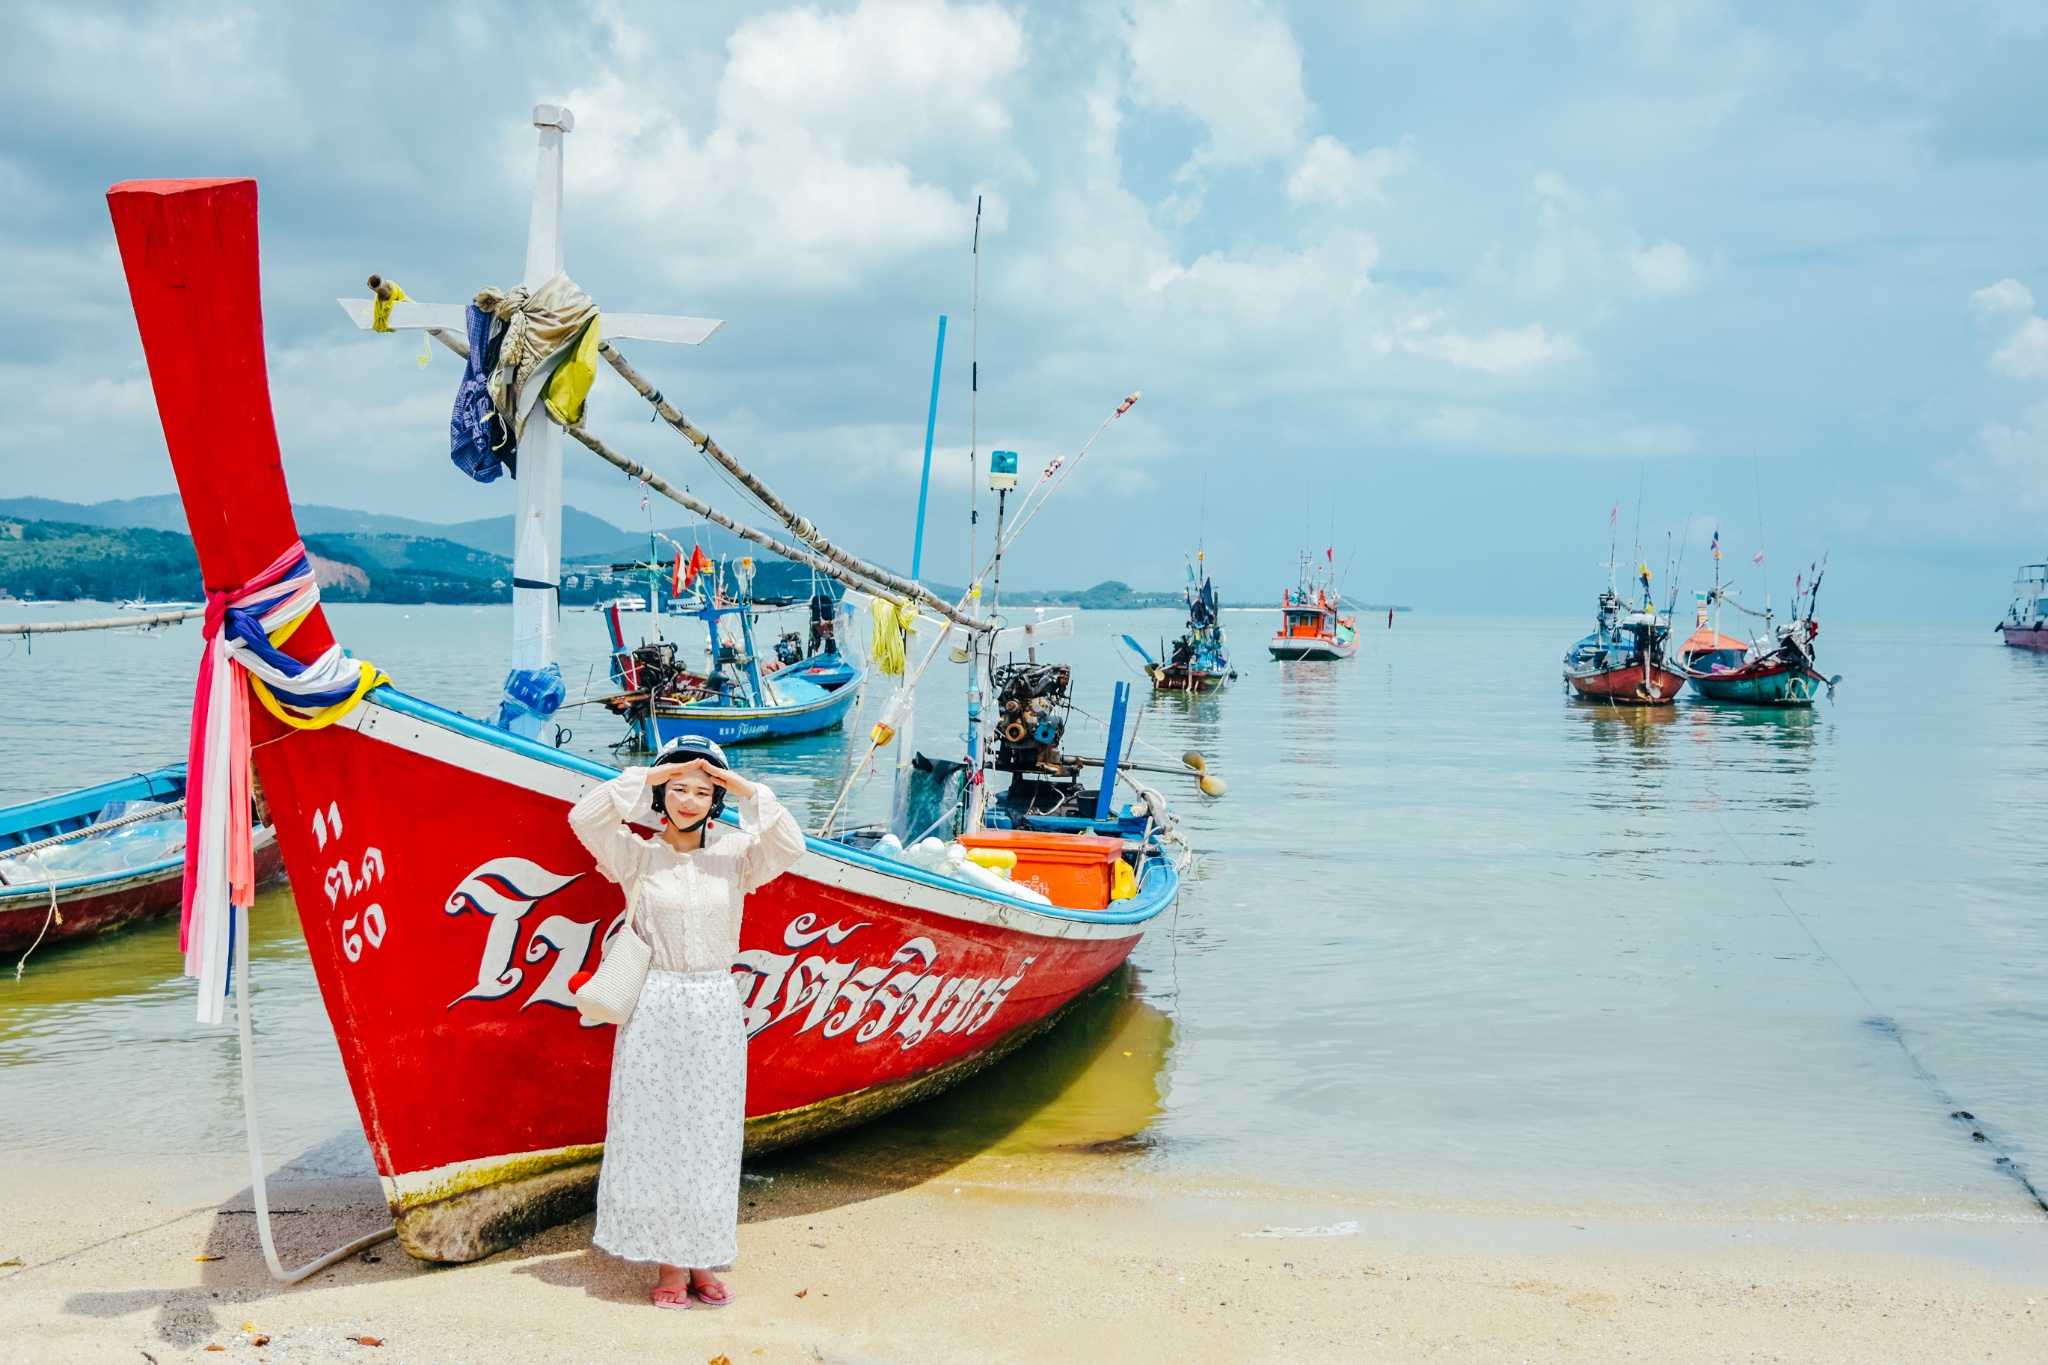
(1455, 278)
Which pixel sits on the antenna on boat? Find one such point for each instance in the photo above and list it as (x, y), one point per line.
(974, 406)
(1763, 560)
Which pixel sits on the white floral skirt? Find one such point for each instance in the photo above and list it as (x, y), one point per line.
(670, 1187)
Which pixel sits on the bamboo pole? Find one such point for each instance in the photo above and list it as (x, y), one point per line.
(804, 529)
(838, 571)
(155, 618)
(869, 577)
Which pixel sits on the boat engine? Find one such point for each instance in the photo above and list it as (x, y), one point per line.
(790, 648)
(1032, 703)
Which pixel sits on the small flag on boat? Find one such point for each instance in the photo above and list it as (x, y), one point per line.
(1615, 515)
(1757, 559)
(700, 563)
(675, 580)
(1643, 572)
(1717, 542)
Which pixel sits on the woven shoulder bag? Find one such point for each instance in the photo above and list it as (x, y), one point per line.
(614, 989)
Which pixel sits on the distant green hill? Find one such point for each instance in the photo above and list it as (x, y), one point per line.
(65, 560)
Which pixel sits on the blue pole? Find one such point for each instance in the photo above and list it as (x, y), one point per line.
(924, 485)
(1105, 800)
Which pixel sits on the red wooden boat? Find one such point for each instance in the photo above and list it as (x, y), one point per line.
(1627, 661)
(446, 904)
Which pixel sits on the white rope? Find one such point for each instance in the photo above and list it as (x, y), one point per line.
(257, 1188)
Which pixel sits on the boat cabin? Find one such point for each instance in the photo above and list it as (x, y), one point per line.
(2029, 608)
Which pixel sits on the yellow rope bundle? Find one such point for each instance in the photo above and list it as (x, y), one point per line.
(892, 621)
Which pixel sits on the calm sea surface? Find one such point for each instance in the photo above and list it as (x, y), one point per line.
(1452, 941)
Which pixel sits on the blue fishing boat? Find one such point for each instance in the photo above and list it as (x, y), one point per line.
(92, 859)
(741, 698)
(1198, 661)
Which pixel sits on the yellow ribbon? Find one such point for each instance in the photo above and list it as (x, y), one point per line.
(380, 307)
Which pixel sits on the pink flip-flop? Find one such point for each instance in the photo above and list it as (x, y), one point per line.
(676, 1298)
(724, 1292)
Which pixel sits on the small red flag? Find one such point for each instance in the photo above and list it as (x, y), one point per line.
(675, 580)
(699, 563)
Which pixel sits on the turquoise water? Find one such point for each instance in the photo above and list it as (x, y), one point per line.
(1453, 940)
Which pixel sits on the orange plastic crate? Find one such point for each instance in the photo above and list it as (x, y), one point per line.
(1071, 870)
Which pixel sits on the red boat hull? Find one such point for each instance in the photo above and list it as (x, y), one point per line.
(102, 905)
(2023, 637)
(1630, 686)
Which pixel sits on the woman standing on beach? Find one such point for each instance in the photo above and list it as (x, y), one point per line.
(669, 1188)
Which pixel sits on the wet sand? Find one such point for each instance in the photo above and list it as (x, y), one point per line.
(993, 1260)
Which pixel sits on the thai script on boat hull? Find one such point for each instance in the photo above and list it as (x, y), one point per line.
(901, 997)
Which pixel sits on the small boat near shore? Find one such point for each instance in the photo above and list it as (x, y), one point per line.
(99, 857)
(2026, 621)
(1313, 627)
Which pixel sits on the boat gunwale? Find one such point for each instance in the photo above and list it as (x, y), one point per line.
(1156, 888)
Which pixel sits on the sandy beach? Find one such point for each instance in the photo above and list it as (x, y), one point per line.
(995, 1260)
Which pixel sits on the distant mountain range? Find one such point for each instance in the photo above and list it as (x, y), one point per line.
(138, 547)
(585, 538)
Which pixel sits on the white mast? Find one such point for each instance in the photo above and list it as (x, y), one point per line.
(537, 524)
(537, 539)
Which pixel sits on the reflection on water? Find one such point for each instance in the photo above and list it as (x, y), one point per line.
(1091, 1085)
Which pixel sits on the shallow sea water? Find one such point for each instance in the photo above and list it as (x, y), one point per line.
(1453, 940)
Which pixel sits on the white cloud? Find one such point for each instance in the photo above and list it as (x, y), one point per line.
(1498, 352)
(1331, 174)
(2026, 353)
(1231, 65)
(2007, 296)
(804, 176)
(1666, 268)
(1581, 255)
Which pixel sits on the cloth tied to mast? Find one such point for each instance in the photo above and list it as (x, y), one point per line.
(548, 352)
(480, 444)
(245, 627)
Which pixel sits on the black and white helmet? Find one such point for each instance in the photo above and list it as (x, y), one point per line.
(682, 751)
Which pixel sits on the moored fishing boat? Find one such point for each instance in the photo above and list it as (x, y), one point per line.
(1626, 660)
(1198, 661)
(2026, 621)
(443, 943)
(99, 857)
(1312, 625)
(1778, 669)
(739, 698)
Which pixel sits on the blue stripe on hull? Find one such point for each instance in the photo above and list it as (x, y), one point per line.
(746, 724)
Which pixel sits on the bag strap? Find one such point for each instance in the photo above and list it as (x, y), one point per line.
(633, 903)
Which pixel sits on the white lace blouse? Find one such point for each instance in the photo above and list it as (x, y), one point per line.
(690, 902)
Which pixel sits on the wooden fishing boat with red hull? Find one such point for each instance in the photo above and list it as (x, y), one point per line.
(1626, 661)
(446, 904)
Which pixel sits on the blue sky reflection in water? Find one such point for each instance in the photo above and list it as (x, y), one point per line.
(1458, 272)
(1454, 940)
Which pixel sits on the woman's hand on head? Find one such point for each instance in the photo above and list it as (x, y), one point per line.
(724, 777)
